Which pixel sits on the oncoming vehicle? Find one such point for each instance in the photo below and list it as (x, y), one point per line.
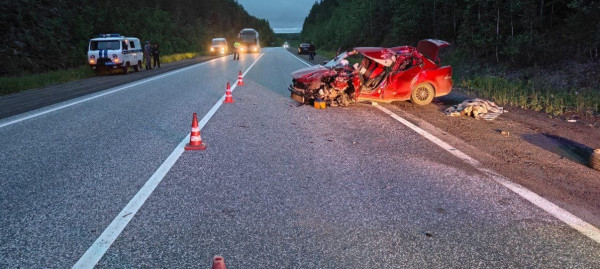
(219, 45)
(113, 51)
(303, 48)
(249, 40)
(286, 45)
(384, 75)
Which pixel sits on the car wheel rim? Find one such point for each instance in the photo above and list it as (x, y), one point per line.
(422, 93)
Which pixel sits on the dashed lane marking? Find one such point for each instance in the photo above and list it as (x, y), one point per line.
(91, 257)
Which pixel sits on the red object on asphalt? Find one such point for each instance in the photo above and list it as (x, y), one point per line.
(240, 79)
(218, 262)
(195, 139)
(228, 96)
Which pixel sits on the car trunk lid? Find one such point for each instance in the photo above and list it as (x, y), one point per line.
(430, 48)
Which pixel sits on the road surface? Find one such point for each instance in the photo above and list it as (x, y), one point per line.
(279, 186)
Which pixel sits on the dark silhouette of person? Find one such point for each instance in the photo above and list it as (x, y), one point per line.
(311, 51)
(156, 55)
(147, 54)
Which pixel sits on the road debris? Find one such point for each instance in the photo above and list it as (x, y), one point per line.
(477, 108)
(595, 160)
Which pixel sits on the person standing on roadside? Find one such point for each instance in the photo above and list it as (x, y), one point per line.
(236, 52)
(156, 55)
(311, 51)
(147, 54)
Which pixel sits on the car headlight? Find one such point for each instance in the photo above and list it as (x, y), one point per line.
(241, 49)
(212, 49)
(115, 56)
(222, 49)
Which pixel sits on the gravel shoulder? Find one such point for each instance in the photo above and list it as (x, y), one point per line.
(547, 155)
(20, 102)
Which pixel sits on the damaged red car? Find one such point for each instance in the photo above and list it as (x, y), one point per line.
(384, 75)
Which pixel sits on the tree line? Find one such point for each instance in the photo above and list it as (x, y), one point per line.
(530, 32)
(42, 35)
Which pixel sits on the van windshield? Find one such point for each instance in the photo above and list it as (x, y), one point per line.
(218, 42)
(105, 45)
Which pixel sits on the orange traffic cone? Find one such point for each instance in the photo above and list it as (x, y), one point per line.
(228, 96)
(218, 263)
(240, 79)
(195, 139)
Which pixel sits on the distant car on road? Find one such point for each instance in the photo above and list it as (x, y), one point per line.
(219, 46)
(384, 75)
(303, 48)
(113, 51)
(286, 45)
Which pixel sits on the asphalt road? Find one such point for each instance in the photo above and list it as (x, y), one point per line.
(280, 185)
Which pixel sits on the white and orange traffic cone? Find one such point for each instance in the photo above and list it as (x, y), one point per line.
(195, 139)
(240, 79)
(218, 262)
(228, 96)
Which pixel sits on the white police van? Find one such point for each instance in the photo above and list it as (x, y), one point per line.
(113, 51)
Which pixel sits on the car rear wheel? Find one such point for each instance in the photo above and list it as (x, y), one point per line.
(422, 94)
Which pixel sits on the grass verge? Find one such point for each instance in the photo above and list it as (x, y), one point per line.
(32, 81)
(535, 96)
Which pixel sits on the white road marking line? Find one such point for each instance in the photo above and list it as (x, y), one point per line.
(69, 103)
(299, 59)
(563, 215)
(93, 255)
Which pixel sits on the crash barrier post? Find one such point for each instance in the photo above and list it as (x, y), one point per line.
(228, 96)
(240, 79)
(195, 139)
(595, 160)
(218, 262)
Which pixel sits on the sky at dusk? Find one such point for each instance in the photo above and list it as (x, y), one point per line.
(285, 16)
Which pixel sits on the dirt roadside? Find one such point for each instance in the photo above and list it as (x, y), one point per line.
(20, 102)
(547, 155)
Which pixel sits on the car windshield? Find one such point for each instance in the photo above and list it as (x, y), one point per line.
(218, 42)
(336, 60)
(105, 45)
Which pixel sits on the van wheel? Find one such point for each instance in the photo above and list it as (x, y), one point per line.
(139, 66)
(422, 94)
(126, 69)
(136, 68)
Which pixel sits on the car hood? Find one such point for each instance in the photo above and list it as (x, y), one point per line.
(430, 48)
(309, 73)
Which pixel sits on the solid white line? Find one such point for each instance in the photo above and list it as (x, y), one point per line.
(96, 95)
(563, 215)
(298, 58)
(91, 257)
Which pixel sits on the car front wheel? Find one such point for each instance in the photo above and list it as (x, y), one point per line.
(422, 94)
